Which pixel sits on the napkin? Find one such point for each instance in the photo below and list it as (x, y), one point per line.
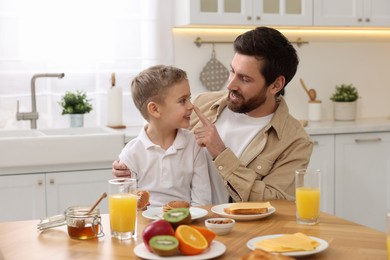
(288, 243)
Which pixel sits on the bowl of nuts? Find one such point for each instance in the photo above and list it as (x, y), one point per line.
(220, 226)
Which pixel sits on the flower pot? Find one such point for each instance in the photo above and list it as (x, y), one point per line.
(344, 111)
(76, 120)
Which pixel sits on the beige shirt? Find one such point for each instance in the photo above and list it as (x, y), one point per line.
(266, 168)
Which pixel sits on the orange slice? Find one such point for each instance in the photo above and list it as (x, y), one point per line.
(207, 233)
(191, 241)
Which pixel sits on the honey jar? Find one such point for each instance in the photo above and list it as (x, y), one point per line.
(83, 224)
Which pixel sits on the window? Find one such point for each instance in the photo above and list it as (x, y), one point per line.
(85, 39)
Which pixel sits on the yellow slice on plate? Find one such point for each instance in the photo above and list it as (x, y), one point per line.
(288, 243)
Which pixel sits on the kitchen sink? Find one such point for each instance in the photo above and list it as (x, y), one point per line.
(51, 149)
(77, 131)
(19, 133)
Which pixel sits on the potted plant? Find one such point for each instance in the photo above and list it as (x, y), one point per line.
(344, 102)
(76, 104)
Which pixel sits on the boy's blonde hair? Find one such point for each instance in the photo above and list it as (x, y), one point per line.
(152, 83)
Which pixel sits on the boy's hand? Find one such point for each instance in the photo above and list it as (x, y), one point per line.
(119, 169)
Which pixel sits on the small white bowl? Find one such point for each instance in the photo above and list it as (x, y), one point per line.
(220, 226)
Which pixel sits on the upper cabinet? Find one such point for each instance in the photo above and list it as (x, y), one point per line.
(243, 12)
(351, 13)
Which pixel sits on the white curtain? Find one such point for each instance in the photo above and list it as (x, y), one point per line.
(85, 39)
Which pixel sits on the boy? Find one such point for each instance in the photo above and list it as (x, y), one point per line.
(165, 158)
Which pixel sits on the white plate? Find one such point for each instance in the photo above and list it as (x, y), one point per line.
(157, 213)
(219, 210)
(323, 245)
(216, 249)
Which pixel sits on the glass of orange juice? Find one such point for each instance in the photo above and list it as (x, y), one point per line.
(122, 202)
(307, 196)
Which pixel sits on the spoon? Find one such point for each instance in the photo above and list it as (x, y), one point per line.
(310, 92)
(97, 202)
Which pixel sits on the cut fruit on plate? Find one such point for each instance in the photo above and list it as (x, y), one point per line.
(207, 233)
(191, 241)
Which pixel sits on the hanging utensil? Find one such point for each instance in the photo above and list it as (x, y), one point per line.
(214, 75)
(310, 92)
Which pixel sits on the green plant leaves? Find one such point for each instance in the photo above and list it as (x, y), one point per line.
(75, 103)
(345, 93)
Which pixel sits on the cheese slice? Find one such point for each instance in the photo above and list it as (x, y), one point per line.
(288, 243)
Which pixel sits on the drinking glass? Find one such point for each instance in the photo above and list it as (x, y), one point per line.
(307, 192)
(122, 202)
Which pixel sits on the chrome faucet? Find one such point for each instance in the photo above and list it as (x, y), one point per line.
(33, 115)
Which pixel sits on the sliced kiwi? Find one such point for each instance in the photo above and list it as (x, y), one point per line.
(164, 245)
(179, 216)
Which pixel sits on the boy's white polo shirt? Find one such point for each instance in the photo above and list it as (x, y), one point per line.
(178, 173)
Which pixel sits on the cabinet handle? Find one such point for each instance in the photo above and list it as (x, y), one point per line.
(369, 140)
(51, 181)
(316, 143)
(40, 182)
(258, 18)
(249, 18)
(368, 20)
(360, 20)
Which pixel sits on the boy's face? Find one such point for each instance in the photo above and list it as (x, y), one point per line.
(177, 108)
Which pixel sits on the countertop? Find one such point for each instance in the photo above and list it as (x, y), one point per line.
(348, 127)
(347, 240)
(323, 127)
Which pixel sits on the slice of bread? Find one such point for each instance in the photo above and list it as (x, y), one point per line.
(259, 254)
(248, 208)
(175, 204)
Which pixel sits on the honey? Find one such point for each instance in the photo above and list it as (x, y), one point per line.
(83, 224)
(85, 232)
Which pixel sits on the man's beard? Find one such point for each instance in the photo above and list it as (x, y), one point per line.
(246, 106)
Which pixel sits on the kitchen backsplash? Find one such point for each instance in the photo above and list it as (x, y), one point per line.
(324, 63)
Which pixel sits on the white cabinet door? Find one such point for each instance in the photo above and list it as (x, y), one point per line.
(243, 12)
(323, 158)
(377, 13)
(22, 197)
(351, 13)
(362, 178)
(65, 189)
(219, 12)
(282, 12)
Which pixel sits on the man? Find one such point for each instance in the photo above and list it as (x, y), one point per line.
(255, 144)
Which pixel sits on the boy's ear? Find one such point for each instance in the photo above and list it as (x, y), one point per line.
(153, 109)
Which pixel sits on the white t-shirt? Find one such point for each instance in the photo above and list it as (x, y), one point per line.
(179, 173)
(236, 131)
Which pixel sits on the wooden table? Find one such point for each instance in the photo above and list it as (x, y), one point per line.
(347, 240)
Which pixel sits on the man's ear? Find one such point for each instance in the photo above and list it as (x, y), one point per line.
(153, 109)
(278, 84)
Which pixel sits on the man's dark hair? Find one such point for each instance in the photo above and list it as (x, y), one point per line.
(269, 45)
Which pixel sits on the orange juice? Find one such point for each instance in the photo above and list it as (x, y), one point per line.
(123, 212)
(308, 203)
(388, 247)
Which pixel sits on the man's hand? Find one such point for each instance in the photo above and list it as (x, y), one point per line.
(207, 135)
(119, 169)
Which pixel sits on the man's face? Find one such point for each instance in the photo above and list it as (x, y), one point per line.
(248, 92)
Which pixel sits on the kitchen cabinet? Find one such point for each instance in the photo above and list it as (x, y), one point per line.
(362, 178)
(351, 13)
(22, 197)
(35, 196)
(243, 12)
(355, 182)
(323, 158)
